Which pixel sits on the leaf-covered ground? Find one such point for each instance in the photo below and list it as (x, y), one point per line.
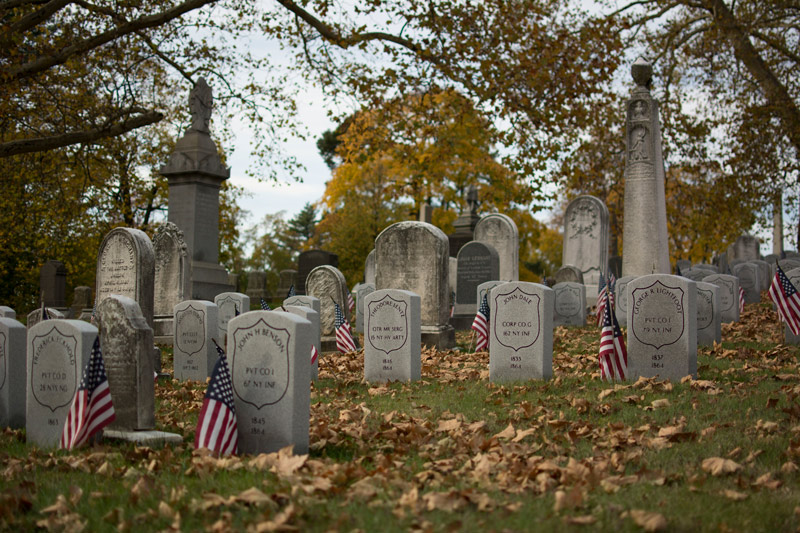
(455, 452)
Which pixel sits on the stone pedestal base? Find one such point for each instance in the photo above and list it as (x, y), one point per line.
(209, 280)
(144, 438)
(440, 337)
(163, 332)
(462, 322)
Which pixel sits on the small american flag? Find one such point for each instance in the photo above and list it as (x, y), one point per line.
(481, 325)
(786, 299)
(741, 300)
(613, 355)
(602, 290)
(344, 339)
(92, 408)
(217, 429)
(314, 353)
(350, 303)
(292, 292)
(265, 306)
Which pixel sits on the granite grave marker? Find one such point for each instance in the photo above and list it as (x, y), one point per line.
(392, 340)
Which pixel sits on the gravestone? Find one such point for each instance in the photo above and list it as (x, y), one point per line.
(521, 332)
(788, 264)
(485, 288)
(452, 276)
(195, 173)
(682, 264)
(772, 259)
(586, 240)
(81, 302)
(694, 274)
(569, 274)
(728, 296)
(478, 263)
(369, 268)
(127, 343)
(708, 314)
(749, 281)
(570, 304)
(287, 280)
(662, 327)
(703, 266)
(764, 273)
(621, 299)
(615, 266)
(269, 356)
(257, 285)
(392, 338)
(502, 234)
(363, 289)
(233, 283)
(721, 262)
(194, 353)
(313, 317)
(645, 226)
(229, 304)
(53, 284)
(57, 352)
(172, 279)
(464, 225)
(7, 312)
(791, 254)
(304, 301)
(746, 248)
(308, 261)
(35, 316)
(126, 267)
(327, 284)
(788, 336)
(413, 256)
(13, 373)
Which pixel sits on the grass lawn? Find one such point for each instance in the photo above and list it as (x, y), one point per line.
(455, 452)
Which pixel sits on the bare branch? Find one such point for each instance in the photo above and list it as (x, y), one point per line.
(40, 144)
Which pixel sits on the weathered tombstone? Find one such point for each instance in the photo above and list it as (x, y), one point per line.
(682, 264)
(570, 304)
(392, 338)
(229, 305)
(13, 373)
(35, 316)
(308, 261)
(287, 280)
(569, 274)
(414, 256)
(126, 266)
(501, 232)
(791, 254)
(363, 289)
(195, 173)
(788, 264)
(194, 353)
(452, 276)
(764, 273)
(257, 285)
(586, 240)
(708, 314)
(57, 351)
(269, 357)
(327, 284)
(485, 288)
(172, 279)
(721, 262)
(645, 227)
(313, 317)
(304, 301)
(746, 248)
(694, 274)
(788, 336)
(621, 299)
(369, 268)
(53, 284)
(478, 263)
(7, 312)
(127, 343)
(749, 281)
(662, 327)
(728, 295)
(772, 259)
(711, 268)
(81, 301)
(521, 332)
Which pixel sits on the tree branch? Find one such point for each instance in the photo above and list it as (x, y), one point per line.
(60, 57)
(37, 17)
(779, 47)
(40, 144)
